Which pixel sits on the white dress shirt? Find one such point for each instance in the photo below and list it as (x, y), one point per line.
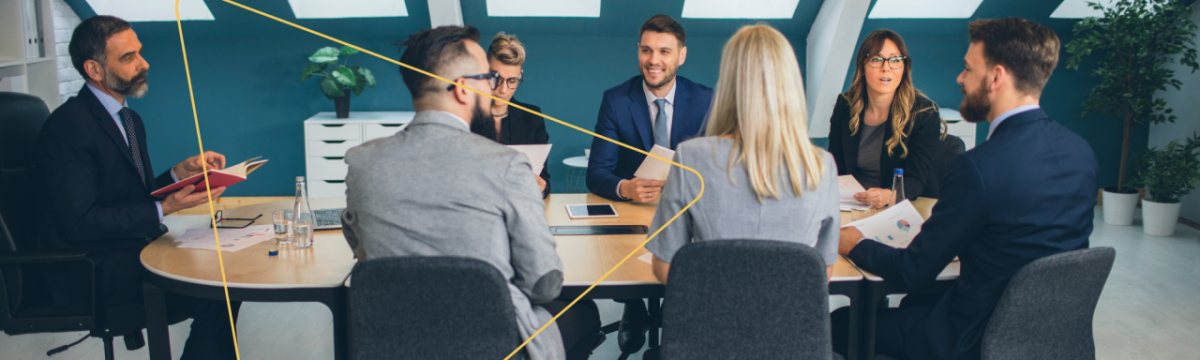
(114, 107)
(669, 107)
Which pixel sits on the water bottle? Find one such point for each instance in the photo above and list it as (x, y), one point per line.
(897, 188)
(302, 215)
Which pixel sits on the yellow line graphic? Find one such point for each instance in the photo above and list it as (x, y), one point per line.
(207, 187)
(585, 292)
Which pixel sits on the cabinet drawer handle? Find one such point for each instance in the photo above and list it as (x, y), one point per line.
(333, 141)
(333, 125)
(334, 157)
(334, 181)
(391, 125)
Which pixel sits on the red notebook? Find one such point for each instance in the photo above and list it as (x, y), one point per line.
(218, 178)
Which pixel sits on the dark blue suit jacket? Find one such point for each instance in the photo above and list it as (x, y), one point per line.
(94, 197)
(1026, 193)
(625, 117)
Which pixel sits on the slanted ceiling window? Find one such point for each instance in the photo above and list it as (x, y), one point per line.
(1078, 9)
(543, 8)
(151, 10)
(338, 9)
(744, 9)
(924, 9)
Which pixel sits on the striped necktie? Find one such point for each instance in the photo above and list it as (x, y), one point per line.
(131, 136)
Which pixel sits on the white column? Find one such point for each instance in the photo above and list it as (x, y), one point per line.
(831, 44)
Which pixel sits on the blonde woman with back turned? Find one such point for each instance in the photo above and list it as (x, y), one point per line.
(763, 178)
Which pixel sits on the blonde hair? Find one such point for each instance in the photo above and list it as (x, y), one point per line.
(507, 49)
(759, 103)
(902, 103)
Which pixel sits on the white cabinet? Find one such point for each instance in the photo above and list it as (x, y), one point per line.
(327, 139)
(964, 130)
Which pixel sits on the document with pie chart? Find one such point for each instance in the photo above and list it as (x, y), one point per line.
(895, 227)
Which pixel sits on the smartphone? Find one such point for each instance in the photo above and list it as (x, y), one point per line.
(582, 211)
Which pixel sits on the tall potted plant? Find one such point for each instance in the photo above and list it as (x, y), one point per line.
(341, 80)
(1168, 175)
(1138, 38)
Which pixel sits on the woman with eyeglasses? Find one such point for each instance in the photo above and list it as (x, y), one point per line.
(514, 126)
(884, 123)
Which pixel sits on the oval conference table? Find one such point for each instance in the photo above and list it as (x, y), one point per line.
(320, 273)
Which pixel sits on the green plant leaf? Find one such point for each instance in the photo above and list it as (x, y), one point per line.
(344, 75)
(310, 70)
(331, 88)
(346, 50)
(366, 73)
(325, 55)
(359, 85)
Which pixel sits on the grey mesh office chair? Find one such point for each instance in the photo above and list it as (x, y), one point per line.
(431, 308)
(746, 299)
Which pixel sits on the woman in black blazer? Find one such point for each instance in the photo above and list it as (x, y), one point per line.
(506, 55)
(884, 123)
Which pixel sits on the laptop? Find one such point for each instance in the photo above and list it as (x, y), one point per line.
(328, 219)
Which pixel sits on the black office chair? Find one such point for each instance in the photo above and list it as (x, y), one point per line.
(943, 154)
(746, 299)
(431, 308)
(24, 299)
(1047, 308)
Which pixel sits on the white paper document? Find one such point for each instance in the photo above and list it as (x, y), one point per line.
(895, 227)
(646, 257)
(537, 154)
(655, 169)
(231, 239)
(847, 187)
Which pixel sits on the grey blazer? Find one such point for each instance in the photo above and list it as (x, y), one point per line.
(730, 209)
(436, 189)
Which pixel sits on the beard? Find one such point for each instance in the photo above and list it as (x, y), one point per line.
(135, 87)
(482, 122)
(975, 106)
(668, 76)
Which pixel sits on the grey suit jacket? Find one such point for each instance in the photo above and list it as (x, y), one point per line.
(436, 189)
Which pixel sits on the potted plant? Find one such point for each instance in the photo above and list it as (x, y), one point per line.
(1168, 175)
(340, 80)
(1138, 37)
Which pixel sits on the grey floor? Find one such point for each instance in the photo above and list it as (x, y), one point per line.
(1148, 310)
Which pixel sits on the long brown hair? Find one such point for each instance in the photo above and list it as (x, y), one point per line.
(902, 103)
(756, 105)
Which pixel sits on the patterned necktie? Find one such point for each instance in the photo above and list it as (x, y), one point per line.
(662, 137)
(131, 136)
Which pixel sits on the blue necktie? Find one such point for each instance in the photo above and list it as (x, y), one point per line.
(662, 137)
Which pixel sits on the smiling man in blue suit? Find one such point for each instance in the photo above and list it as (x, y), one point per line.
(655, 108)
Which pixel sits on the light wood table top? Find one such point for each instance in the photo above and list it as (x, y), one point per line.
(326, 264)
(586, 258)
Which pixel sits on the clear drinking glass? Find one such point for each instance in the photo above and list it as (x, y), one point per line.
(303, 236)
(283, 226)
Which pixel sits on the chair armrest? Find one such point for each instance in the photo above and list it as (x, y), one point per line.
(43, 257)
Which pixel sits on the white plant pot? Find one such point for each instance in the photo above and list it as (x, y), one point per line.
(1159, 219)
(1118, 207)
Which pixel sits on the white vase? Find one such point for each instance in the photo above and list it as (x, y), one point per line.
(1159, 219)
(1118, 207)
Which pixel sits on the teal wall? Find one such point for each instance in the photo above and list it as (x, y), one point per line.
(245, 70)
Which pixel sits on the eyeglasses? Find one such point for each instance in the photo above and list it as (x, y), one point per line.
(223, 222)
(493, 79)
(512, 82)
(895, 62)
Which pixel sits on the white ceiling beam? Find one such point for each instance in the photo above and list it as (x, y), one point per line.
(831, 43)
(445, 12)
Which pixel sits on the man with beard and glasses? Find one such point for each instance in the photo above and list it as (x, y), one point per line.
(1027, 192)
(94, 164)
(436, 189)
(654, 108)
